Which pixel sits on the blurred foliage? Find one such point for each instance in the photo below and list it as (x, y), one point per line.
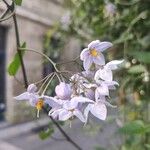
(48, 131)
(125, 23)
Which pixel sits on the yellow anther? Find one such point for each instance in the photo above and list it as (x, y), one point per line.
(94, 52)
(39, 104)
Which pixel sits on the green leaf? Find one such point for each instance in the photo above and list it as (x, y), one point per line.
(15, 64)
(141, 56)
(18, 2)
(134, 127)
(136, 69)
(46, 134)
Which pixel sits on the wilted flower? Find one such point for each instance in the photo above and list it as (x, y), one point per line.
(93, 54)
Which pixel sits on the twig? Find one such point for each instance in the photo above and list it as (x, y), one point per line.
(42, 54)
(63, 132)
(70, 61)
(4, 14)
(12, 8)
(3, 18)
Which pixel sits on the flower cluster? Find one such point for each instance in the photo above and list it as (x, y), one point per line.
(86, 92)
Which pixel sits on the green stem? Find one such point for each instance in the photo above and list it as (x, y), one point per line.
(48, 84)
(42, 54)
(12, 9)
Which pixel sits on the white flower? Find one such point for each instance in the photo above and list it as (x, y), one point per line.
(105, 73)
(93, 53)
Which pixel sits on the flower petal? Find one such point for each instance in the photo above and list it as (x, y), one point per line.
(105, 74)
(113, 65)
(84, 54)
(87, 62)
(63, 91)
(93, 44)
(51, 101)
(32, 88)
(54, 113)
(99, 60)
(99, 97)
(81, 99)
(99, 111)
(78, 114)
(102, 46)
(86, 111)
(89, 93)
(33, 99)
(70, 105)
(103, 90)
(23, 96)
(65, 115)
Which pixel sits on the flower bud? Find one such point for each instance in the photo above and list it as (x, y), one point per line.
(63, 91)
(32, 88)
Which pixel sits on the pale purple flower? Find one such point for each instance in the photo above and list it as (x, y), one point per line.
(35, 99)
(30, 95)
(69, 109)
(105, 72)
(97, 108)
(66, 20)
(109, 10)
(63, 91)
(93, 53)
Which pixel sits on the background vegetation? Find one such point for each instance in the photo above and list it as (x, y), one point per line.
(125, 23)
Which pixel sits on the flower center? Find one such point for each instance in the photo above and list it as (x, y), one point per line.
(94, 52)
(39, 104)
